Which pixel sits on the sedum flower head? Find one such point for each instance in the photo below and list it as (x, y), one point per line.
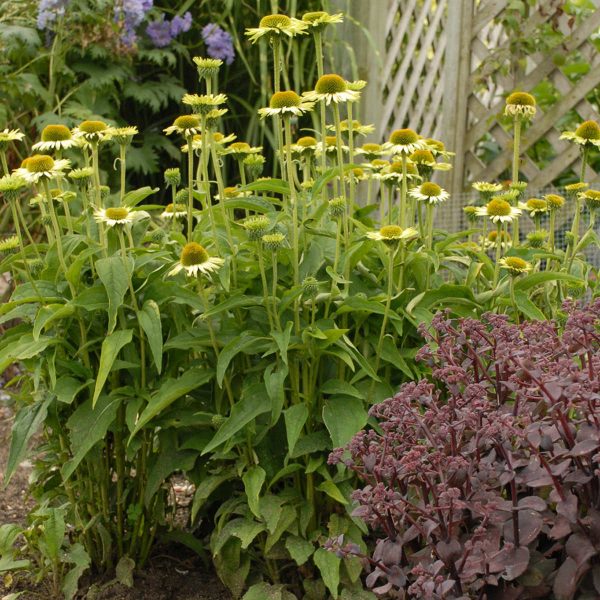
(429, 192)
(499, 211)
(286, 103)
(115, 216)
(195, 260)
(41, 166)
(273, 241)
(520, 105)
(276, 26)
(515, 265)
(554, 201)
(11, 186)
(332, 88)
(392, 235)
(55, 137)
(207, 67)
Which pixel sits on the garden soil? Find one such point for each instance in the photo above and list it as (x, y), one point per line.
(171, 575)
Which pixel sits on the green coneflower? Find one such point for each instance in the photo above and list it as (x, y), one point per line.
(392, 173)
(438, 148)
(486, 189)
(255, 164)
(81, 177)
(215, 137)
(535, 207)
(318, 20)
(590, 197)
(499, 211)
(241, 150)
(332, 88)
(11, 186)
(310, 287)
(357, 127)
(195, 260)
(392, 235)
(9, 244)
(358, 174)
(429, 192)
(213, 117)
(175, 211)
(371, 151)
(172, 176)
(471, 213)
(378, 165)
(304, 146)
(122, 135)
(404, 141)
(204, 103)
(286, 103)
(185, 125)
(422, 157)
(554, 201)
(273, 241)
(232, 191)
(337, 207)
(574, 188)
(55, 137)
(207, 67)
(330, 146)
(276, 26)
(9, 135)
(537, 239)
(91, 131)
(587, 134)
(41, 166)
(520, 105)
(114, 216)
(256, 226)
(492, 240)
(515, 265)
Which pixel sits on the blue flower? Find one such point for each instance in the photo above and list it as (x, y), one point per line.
(181, 24)
(49, 11)
(132, 12)
(159, 32)
(219, 43)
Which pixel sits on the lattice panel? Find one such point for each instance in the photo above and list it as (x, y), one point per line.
(489, 87)
(413, 70)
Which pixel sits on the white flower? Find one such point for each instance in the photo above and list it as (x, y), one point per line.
(429, 192)
(195, 261)
(41, 166)
(392, 235)
(499, 211)
(55, 137)
(115, 216)
(332, 88)
(286, 103)
(404, 141)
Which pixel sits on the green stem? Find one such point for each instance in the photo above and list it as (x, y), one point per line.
(513, 298)
(515, 174)
(498, 254)
(263, 276)
(404, 194)
(190, 205)
(574, 234)
(123, 166)
(584, 155)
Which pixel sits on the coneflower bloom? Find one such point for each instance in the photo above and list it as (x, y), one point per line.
(332, 88)
(114, 216)
(392, 235)
(41, 166)
(514, 265)
(185, 125)
(404, 141)
(276, 26)
(195, 260)
(286, 103)
(318, 20)
(55, 137)
(499, 211)
(92, 131)
(586, 135)
(520, 105)
(204, 103)
(429, 192)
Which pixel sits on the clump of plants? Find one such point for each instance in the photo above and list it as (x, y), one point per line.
(482, 480)
(240, 333)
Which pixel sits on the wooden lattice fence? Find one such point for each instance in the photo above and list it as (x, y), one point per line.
(440, 68)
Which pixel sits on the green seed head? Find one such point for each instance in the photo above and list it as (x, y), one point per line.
(273, 241)
(256, 227)
(187, 122)
(56, 133)
(117, 213)
(39, 163)
(275, 21)
(498, 208)
(521, 99)
(402, 137)
(331, 84)
(537, 239)
(193, 254)
(92, 126)
(173, 177)
(337, 207)
(554, 201)
(588, 130)
(287, 99)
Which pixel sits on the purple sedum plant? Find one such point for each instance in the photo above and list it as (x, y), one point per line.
(484, 481)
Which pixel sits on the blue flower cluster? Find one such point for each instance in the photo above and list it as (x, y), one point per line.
(133, 12)
(219, 43)
(49, 11)
(162, 32)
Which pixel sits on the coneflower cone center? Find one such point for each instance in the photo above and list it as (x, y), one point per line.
(193, 254)
(186, 122)
(331, 84)
(56, 133)
(430, 189)
(514, 262)
(92, 126)
(498, 208)
(588, 130)
(287, 99)
(521, 99)
(403, 136)
(275, 21)
(117, 213)
(310, 17)
(39, 163)
(390, 231)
